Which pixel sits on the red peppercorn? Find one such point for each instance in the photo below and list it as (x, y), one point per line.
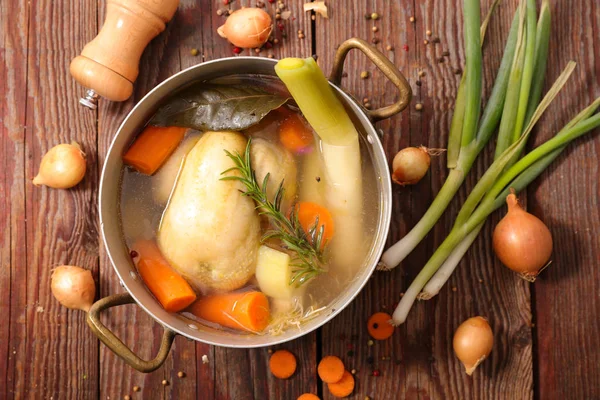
(280, 26)
(133, 254)
(271, 1)
(405, 47)
(376, 373)
(226, 2)
(237, 50)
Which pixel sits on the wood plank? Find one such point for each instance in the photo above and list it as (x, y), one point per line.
(13, 256)
(421, 353)
(61, 224)
(567, 199)
(130, 323)
(244, 374)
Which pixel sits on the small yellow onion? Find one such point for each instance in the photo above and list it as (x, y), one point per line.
(522, 241)
(473, 342)
(410, 165)
(247, 28)
(62, 167)
(73, 287)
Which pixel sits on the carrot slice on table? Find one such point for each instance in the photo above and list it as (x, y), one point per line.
(331, 369)
(344, 387)
(282, 364)
(379, 327)
(307, 216)
(246, 311)
(308, 396)
(169, 288)
(294, 134)
(152, 147)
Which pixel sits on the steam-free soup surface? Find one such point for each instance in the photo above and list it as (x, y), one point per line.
(211, 234)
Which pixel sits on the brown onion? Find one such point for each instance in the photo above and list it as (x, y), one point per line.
(410, 165)
(522, 241)
(62, 167)
(73, 287)
(473, 342)
(247, 28)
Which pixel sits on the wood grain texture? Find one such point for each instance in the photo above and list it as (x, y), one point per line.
(13, 252)
(567, 198)
(47, 339)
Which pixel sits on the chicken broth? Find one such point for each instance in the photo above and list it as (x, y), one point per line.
(213, 235)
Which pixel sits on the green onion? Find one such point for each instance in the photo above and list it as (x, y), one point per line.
(468, 154)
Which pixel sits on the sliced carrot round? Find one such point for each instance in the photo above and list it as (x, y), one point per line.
(331, 369)
(379, 327)
(308, 213)
(282, 364)
(344, 387)
(308, 396)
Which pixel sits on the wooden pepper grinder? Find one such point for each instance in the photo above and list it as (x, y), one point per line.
(108, 65)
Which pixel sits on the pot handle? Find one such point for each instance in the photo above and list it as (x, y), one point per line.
(384, 65)
(116, 345)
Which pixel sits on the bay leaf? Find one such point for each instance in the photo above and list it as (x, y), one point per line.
(212, 107)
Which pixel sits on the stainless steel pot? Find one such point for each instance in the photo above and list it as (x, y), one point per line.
(109, 208)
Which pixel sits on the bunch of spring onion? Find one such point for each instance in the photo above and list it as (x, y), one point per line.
(515, 98)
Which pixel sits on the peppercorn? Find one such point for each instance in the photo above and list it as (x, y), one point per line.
(226, 2)
(405, 47)
(412, 19)
(271, 1)
(374, 29)
(301, 36)
(181, 374)
(353, 372)
(271, 56)
(133, 254)
(365, 100)
(376, 373)
(136, 388)
(368, 106)
(277, 16)
(454, 289)
(275, 41)
(165, 382)
(281, 6)
(428, 32)
(127, 397)
(370, 343)
(237, 50)
(194, 52)
(313, 17)
(418, 83)
(425, 42)
(418, 106)
(364, 75)
(300, 31)
(260, 4)
(389, 48)
(374, 16)
(446, 53)
(421, 73)
(219, 12)
(374, 40)
(257, 50)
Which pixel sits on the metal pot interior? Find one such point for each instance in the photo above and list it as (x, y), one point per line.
(110, 219)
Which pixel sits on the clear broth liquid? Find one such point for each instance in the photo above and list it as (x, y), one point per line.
(141, 213)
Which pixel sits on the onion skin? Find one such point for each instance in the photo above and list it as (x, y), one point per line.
(473, 342)
(247, 28)
(410, 165)
(522, 241)
(62, 167)
(73, 287)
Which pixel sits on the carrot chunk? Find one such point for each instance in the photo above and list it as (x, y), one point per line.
(169, 288)
(379, 327)
(308, 396)
(294, 134)
(344, 387)
(282, 364)
(152, 147)
(308, 213)
(246, 311)
(331, 369)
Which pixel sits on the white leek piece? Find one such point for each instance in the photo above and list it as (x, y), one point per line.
(340, 150)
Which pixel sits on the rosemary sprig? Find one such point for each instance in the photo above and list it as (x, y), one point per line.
(307, 247)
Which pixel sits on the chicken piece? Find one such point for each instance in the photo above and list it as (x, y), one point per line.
(164, 179)
(210, 233)
(278, 162)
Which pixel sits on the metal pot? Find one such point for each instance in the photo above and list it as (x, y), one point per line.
(109, 208)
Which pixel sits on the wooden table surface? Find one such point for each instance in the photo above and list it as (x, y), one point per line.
(547, 334)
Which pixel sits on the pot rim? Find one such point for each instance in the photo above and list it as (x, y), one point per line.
(379, 240)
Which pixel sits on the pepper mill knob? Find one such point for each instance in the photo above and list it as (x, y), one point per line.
(108, 65)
